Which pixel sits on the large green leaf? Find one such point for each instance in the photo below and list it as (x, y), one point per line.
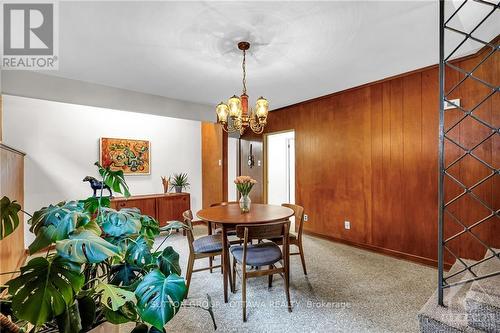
(86, 246)
(92, 226)
(114, 179)
(91, 204)
(114, 297)
(9, 216)
(149, 227)
(159, 297)
(45, 289)
(168, 261)
(139, 252)
(53, 214)
(56, 222)
(127, 221)
(174, 225)
(126, 313)
(124, 274)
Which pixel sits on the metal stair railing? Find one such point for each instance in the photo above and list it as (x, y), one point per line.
(444, 205)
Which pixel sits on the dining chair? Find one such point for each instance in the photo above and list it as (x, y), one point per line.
(218, 229)
(208, 246)
(296, 239)
(260, 255)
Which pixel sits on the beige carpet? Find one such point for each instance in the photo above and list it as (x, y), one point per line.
(347, 290)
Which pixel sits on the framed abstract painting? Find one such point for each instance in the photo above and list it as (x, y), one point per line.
(131, 156)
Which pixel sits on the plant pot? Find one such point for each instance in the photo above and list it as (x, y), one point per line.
(178, 189)
(245, 203)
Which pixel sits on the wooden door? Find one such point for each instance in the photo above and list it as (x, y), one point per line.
(253, 149)
(214, 164)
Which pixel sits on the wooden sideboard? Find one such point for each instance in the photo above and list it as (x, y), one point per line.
(163, 207)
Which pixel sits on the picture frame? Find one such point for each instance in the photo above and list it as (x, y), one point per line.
(132, 156)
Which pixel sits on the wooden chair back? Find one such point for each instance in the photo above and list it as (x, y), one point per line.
(264, 231)
(188, 219)
(299, 217)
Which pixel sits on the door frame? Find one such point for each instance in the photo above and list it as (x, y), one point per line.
(264, 159)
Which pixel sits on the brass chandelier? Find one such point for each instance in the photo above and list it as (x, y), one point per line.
(234, 115)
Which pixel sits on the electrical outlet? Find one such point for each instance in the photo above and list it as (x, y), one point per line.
(347, 225)
(306, 217)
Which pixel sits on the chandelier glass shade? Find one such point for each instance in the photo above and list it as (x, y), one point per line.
(235, 115)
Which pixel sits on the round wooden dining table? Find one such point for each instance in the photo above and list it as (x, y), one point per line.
(230, 215)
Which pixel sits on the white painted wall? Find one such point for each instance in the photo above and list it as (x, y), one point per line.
(232, 167)
(61, 142)
(280, 168)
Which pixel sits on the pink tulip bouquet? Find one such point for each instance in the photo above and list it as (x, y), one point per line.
(244, 184)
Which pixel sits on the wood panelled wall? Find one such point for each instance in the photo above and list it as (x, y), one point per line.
(370, 155)
(12, 252)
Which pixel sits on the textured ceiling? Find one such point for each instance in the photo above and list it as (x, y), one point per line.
(300, 50)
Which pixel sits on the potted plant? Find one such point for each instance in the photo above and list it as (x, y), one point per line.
(179, 181)
(244, 185)
(105, 267)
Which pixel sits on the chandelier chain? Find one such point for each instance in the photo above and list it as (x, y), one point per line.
(244, 73)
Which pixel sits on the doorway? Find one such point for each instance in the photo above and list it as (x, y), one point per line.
(280, 168)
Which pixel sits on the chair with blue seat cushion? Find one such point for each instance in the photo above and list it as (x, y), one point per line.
(204, 247)
(260, 255)
(210, 243)
(214, 229)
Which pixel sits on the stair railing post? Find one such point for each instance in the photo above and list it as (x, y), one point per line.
(441, 203)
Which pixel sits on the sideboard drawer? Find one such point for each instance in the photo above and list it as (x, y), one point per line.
(146, 206)
(162, 207)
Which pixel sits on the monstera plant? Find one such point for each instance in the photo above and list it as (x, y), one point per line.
(97, 264)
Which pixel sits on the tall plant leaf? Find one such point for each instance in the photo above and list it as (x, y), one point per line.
(124, 274)
(91, 204)
(159, 297)
(149, 227)
(9, 216)
(139, 252)
(56, 222)
(92, 226)
(114, 297)
(52, 214)
(174, 225)
(114, 179)
(168, 261)
(127, 221)
(126, 313)
(44, 289)
(86, 246)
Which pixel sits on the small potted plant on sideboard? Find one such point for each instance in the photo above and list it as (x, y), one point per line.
(179, 181)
